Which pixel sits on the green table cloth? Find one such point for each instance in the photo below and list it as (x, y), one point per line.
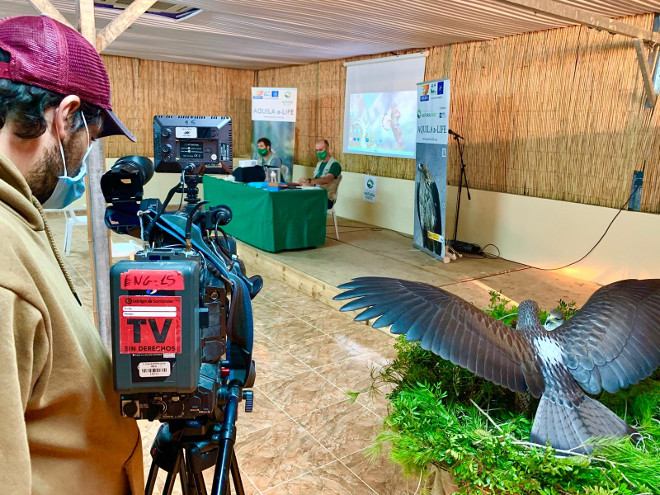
(271, 220)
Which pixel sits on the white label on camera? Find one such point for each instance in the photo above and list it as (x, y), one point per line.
(169, 356)
(148, 370)
(186, 132)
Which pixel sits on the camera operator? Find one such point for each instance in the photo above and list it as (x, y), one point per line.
(61, 430)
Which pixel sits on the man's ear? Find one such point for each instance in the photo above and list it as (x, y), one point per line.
(65, 110)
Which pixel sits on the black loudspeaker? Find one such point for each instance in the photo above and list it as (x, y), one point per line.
(249, 174)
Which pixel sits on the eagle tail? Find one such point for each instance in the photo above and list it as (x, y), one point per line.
(568, 426)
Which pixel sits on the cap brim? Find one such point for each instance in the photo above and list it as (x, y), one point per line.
(112, 126)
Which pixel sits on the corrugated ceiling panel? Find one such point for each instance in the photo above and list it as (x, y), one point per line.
(256, 34)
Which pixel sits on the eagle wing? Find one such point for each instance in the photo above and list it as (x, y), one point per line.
(614, 340)
(449, 327)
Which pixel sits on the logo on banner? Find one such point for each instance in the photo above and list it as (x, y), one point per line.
(150, 325)
(274, 105)
(441, 87)
(369, 194)
(425, 89)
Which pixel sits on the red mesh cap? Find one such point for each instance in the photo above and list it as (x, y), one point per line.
(52, 56)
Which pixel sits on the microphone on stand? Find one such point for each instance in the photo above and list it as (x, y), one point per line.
(456, 134)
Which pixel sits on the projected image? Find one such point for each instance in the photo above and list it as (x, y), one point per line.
(383, 123)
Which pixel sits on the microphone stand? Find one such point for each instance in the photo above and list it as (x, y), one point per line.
(458, 138)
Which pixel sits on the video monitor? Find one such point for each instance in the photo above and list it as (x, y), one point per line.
(182, 140)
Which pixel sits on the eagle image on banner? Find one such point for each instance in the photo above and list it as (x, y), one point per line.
(431, 166)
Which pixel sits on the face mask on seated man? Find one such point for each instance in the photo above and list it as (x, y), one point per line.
(327, 173)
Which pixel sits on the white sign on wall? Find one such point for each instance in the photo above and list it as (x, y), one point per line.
(369, 194)
(274, 104)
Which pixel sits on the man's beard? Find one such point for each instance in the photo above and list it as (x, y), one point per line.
(43, 177)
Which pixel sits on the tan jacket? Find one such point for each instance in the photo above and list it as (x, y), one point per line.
(60, 427)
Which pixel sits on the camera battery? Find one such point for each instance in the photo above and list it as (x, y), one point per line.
(156, 340)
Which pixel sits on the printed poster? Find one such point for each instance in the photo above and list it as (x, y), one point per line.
(431, 167)
(274, 117)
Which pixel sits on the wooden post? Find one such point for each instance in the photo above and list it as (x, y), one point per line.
(86, 20)
(87, 27)
(98, 236)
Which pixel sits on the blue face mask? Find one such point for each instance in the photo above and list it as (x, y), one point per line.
(68, 189)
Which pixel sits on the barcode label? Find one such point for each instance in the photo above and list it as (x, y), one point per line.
(147, 370)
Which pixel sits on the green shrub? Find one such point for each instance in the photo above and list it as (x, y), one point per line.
(443, 415)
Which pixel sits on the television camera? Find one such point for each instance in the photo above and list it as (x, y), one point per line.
(181, 310)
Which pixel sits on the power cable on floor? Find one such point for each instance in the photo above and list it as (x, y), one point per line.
(599, 240)
(493, 256)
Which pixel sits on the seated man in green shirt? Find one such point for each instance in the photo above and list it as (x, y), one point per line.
(268, 159)
(327, 173)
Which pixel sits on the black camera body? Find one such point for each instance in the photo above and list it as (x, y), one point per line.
(181, 310)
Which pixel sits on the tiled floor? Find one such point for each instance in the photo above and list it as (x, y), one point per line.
(304, 435)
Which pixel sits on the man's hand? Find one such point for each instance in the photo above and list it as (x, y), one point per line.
(304, 180)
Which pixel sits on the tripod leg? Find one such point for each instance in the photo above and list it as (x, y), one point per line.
(200, 484)
(151, 480)
(194, 481)
(183, 477)
(171, 477)
(236, 475)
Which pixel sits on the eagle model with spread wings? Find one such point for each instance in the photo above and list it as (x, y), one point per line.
(611, 343)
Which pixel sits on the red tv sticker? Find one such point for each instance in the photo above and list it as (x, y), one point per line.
(151, 280)
(149, 325)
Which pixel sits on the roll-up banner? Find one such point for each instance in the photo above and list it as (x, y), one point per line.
(274, 118)
(431, 167)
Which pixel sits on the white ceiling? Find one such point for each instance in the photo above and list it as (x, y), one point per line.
(257, 34)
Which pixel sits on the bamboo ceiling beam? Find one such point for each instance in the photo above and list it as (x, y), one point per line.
(580, 16)
(47, 8)
(647, 74)
(602, 23)
(121, 23)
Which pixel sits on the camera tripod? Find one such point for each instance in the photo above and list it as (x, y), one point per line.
(186, 448)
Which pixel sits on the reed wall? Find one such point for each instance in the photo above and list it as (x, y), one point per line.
(144, 88)
(556, 114)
